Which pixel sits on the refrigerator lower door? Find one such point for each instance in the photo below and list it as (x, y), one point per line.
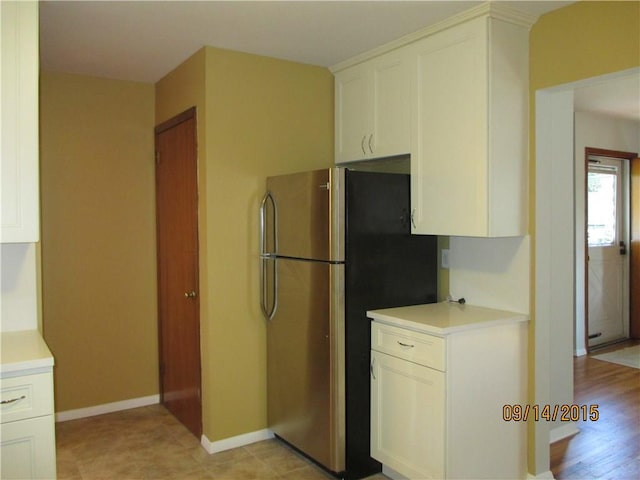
(305, 360)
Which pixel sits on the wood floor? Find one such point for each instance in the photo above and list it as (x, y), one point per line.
(608, 448)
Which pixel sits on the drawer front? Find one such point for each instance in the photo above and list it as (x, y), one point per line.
(26, 397)
(416, 347)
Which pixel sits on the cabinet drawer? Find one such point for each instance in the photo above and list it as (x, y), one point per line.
(417, 347)
(26, 396)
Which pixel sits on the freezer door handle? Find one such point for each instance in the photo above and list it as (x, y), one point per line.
(268, 198)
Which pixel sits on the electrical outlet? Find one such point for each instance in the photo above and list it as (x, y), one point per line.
(444, 258)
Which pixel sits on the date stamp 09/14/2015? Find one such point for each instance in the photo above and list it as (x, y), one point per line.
(550, 413)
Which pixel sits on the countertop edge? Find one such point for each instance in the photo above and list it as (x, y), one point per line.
(394, 318)
(24, 352)
(426, 328)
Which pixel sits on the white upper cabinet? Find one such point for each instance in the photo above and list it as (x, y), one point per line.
(19, 86)
(469, 147)
(455, 96)
(372, 112)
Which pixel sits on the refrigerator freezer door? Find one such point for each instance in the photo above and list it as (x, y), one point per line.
(305, 349)
(306, 215)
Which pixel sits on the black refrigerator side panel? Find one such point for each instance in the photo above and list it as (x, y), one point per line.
(386, 267)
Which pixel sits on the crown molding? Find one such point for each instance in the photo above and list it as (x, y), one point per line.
(488, 9)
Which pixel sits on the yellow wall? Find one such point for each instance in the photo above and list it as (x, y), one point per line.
(584, 40)
(580, 41)
(98, 233)
(263, 117)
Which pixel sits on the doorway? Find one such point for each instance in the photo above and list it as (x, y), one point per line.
(607, 240)
(177, 247)
(555, 253)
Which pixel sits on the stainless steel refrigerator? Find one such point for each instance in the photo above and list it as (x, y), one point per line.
(334, 243)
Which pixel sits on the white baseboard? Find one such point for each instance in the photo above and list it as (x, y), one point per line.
(107, 408)
(235, 442)
(541, 476)
(392, 474)
(564, 431)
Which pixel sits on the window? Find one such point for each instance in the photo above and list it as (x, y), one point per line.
(602, 188)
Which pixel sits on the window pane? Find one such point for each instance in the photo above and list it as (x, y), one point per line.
(601, 229)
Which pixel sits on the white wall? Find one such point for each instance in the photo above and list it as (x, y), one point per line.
(18, 282)
(596, 131)
(491, 272)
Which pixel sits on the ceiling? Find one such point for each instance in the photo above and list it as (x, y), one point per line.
(144, 40)
(619, 97)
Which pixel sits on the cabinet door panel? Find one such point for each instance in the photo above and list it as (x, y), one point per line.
(450, 142)
(19, 220)
(28, 449)
(390, 133)
(352, 114)
(407, 417)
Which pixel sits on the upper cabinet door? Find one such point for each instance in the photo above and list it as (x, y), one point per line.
(372, 109)
(390, 128)
(19, 86)
(352, 113)
(469, 130)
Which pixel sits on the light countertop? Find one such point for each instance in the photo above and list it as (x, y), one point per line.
(23, 350)
(445, 318)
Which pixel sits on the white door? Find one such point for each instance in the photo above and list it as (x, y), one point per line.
(607, 250)
(353, 113)
(407, 417)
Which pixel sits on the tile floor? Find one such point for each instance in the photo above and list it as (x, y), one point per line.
(149, 443)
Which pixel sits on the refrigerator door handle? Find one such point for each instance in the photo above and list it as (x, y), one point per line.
(264, 294)
(266, 256)
(268, 198)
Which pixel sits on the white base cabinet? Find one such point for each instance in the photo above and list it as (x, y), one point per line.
(437, 398)
(27, 423)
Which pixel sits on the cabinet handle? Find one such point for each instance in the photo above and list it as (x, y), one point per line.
(413, 221)
(405, 344)
(362, 145)
(13, 400)
(370, 139)
(373, 375)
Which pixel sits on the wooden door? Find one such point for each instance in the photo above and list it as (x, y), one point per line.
(177, 244)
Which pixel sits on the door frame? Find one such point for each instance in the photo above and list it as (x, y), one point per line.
(628, 156)
(189, 114)
(553, 256)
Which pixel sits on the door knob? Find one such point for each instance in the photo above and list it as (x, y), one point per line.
(191, 294)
